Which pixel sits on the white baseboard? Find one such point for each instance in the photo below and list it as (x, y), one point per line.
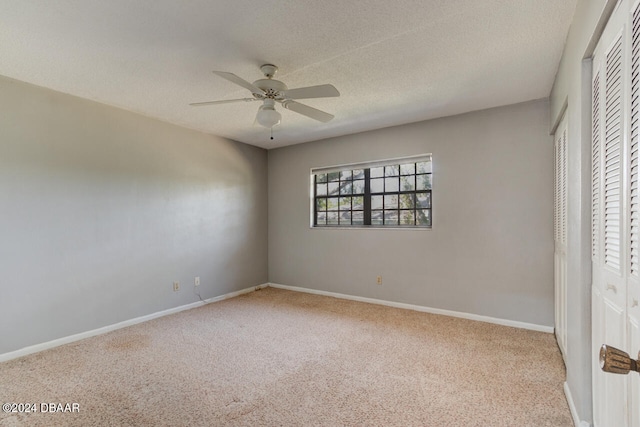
(572, 408)
(469, 316)
(77, 337)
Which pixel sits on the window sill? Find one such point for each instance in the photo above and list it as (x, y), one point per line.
(371, 227)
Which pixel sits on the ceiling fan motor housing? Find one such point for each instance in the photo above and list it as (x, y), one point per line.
(271, 88)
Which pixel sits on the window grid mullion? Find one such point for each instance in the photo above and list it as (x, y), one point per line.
(315, 200)
(367, 196)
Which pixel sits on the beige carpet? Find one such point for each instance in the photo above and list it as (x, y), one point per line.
(281, 358)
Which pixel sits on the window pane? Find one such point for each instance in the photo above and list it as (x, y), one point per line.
(345, 176)
(377, 185)
(391, 201)
(376, 172)
(358, 174)
(406, 201)
(332, 204)
(358, 203)
(334, 187)
(321, 218)
(334, 176)
(423, 182)
(321, 204)
(423, 217)
(392, 170)
(408, 183)
(358, 218)
(321, 177)
(376, 218)
(408, 169)
(391, 217)
(345, 203)
(346, 187)
(407, 218)
(345, 218)
(358, 187)
(423, 200)
(423, 167)
(376, 202)
(391, 184)
(321, 189)
(332, 218)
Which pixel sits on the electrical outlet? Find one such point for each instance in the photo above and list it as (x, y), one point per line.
(379, 280)
(197, 281)
(176, 286)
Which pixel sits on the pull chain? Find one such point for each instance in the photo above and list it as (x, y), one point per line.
(271, 128)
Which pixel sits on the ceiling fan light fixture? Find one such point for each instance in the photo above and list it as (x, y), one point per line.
(267, 114)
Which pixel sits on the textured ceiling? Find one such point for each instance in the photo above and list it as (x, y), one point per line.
(393, 62)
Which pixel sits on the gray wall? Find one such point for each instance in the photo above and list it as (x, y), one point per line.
(490, 251)
(572, 91)
(102, 209)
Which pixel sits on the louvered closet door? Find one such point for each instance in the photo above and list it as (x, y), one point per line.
(597, 309)
(560, 234)
(633, 280)
(611, 257)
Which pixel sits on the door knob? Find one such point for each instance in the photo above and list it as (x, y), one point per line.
(616, 361)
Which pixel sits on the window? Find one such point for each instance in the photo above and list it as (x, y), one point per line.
(391, 193)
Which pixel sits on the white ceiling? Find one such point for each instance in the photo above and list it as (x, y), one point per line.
(393, 62)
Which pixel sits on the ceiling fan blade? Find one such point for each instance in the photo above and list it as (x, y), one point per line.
(321, 91)
(239, 81)
(224, 101)
(305, 110)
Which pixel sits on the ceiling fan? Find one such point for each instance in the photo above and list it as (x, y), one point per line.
(270, 91)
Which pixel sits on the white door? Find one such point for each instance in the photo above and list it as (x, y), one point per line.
(560, 234)
(633, 280)
(615, 285)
